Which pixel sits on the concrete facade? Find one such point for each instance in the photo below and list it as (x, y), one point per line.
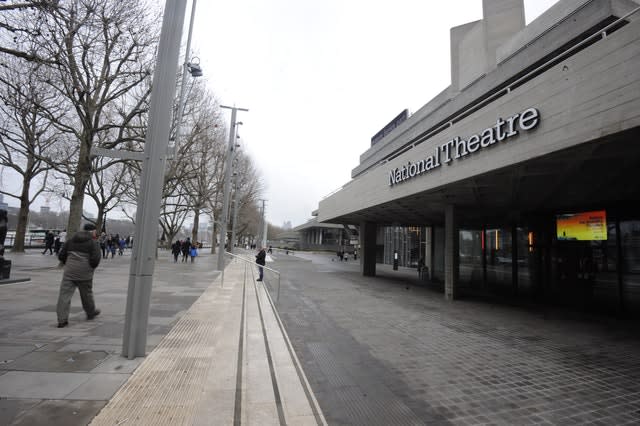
(568, 96)
(545, 120)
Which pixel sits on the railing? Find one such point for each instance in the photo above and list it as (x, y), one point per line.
(248, 262)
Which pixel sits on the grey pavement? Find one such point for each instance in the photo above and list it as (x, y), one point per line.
(340, 348)
(216, 350)
(65, 376)
(386, 350)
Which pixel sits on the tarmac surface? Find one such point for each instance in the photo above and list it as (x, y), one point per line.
(334, 348)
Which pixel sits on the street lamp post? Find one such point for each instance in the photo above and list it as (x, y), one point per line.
(224, 220)
(134, 339)
(235, 195)
(195, 71)
(234, 219)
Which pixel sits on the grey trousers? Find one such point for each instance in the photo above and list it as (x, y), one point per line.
(67, 288)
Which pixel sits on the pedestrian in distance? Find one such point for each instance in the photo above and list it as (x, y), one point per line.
(186, 247)
(56, 244)
(103, 244)
(260, 260)
(176, 249)
(80, 256)
(193, 251)
(48, 242)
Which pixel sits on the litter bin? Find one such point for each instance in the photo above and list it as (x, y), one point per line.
(5, 269)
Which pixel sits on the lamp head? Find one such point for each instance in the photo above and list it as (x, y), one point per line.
(194, 69)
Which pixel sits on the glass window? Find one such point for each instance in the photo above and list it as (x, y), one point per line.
(630, 241)
(526, 260)
(499, 258)
(470, 267)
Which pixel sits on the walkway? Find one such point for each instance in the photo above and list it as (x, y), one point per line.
(217, 352)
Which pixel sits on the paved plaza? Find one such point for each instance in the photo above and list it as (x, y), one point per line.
(385, 351)
(338, 349)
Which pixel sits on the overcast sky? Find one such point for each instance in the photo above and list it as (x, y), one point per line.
(321, 77)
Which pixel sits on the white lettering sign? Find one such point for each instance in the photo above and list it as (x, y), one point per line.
(458, 148)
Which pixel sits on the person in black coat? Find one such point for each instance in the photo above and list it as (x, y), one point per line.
(186, 247)
(48, 242)
(260, 260)
(176, 249)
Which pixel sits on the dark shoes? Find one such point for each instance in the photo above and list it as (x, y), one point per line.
(63, 324)
(93, 315)
(259, 279)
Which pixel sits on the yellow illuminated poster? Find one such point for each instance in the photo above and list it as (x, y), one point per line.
(585, 226)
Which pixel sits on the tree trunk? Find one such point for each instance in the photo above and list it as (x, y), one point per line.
(214, 236)
(81, 178)
(101, 219)
(196, 225)
(23, 217)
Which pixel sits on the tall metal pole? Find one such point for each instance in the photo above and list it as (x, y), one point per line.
(264, 222)
(235, 211)
(181, 101)
(134, 340)
(224, 220)
(261, 226)
(235, 194)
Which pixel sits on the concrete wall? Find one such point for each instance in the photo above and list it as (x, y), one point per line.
(576, 103)
(470, 54)
(538, 42)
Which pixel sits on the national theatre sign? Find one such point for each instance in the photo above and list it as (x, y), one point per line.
(458, 148)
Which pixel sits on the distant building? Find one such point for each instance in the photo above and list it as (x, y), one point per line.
(3, 205)
(327, 236)
(45, 209)
(287, 239)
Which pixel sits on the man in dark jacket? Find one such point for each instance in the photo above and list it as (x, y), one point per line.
(48, 242)
(80, 256)
(260, 260)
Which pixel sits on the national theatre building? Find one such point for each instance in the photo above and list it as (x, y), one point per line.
(522, 177)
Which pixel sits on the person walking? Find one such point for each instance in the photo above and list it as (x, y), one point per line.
(260, 260)
(176, 249)
(48, 242)
(103, 244)
(186, 247)
(80, 256)
(56, 244)
(193, 251)
(121, 247)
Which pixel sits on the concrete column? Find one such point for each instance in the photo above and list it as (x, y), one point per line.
(451, 252)
(368, 249)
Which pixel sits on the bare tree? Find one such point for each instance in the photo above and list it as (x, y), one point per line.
(102, 53)
(18, 33)
(249, 189)
(173, 213)
(207, 150)
(26, 136)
